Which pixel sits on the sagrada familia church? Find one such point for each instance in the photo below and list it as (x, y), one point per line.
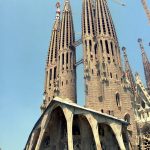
(116, 115)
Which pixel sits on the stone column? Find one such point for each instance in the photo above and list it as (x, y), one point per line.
(93, 123)
(43, 128)
(40, 139)
(69, 119)
(117, 129)
(31, 142)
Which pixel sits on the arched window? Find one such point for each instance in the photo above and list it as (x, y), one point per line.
(110, 74)
(112, 49)
(66, 81)
(116, 76)
(118, 99)
(55, 73)
(50, 74)
(127, 118)
(107, 49)
(101, 45)
(63, 59)
(90, 44)
(92, 71)
(143, 104)
(67, 57)
(95, 48)
(86, 44)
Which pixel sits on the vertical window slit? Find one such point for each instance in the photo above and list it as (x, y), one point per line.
(107, 48)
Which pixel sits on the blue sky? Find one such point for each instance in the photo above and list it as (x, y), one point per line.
(25, 28)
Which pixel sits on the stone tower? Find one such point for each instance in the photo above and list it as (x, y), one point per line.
(107, 89)
(101, 53)
(102, 64)
(60, 77)
(50, 88)
(67, 56)
(91, 63)
(146, 65)
(128, 70)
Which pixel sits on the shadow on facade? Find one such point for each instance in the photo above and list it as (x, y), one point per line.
(82, 134)
(55, 136)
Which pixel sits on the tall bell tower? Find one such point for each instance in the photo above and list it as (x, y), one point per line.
(51, 71)
(67, 56)
(60, 77)
(102, 63)
(91, 56)
(107, 89)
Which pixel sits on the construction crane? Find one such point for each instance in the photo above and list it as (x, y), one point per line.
(147, 10)
(119, 2)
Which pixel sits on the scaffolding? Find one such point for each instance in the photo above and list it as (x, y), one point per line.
(119, 2)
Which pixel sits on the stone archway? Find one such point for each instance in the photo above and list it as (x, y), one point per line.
(82, 134)
(55, 136)
(107, 137)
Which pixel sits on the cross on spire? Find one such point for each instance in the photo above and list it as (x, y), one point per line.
(58, 10)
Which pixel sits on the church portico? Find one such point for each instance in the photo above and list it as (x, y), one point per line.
(67, 126)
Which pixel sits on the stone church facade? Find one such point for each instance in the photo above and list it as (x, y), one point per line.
(117, 106)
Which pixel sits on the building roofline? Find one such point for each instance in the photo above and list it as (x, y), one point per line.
(57, 99)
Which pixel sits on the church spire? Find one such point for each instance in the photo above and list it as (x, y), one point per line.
(53, 48)
(67, 56)
(128, 70)
(67, 28)
(104, 20)
(146, 64)
(105, 29)
(51, 66)
(88, 26)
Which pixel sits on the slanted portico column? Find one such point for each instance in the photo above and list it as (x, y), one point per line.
(69, 119)
(40, 139)
(117, 129)
(31, 141)
(94, 126)
(43, 128)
